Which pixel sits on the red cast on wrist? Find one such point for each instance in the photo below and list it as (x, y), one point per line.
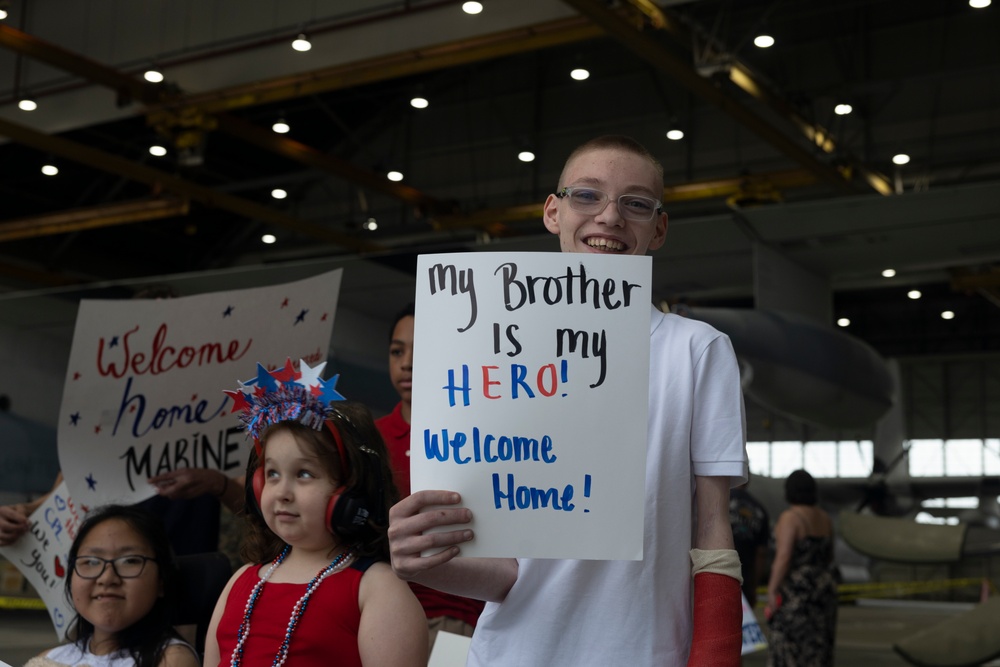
(717, 637)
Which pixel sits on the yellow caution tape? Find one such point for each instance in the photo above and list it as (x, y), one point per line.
(7, 602)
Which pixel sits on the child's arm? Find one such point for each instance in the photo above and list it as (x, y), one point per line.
(388, 607)
(179, 655)
(487, 579)
(211, 642)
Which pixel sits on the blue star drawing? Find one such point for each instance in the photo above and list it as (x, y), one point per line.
(301, 317)
(74, 418)
(113, 342)
(228, 311)
(91, 482)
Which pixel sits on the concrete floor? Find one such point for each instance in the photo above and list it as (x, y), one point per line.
(865, 633)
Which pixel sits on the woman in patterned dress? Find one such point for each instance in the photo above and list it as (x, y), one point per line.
(802, 590)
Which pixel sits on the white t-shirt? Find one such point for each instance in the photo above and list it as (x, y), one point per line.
(74, 655)
(635, 613)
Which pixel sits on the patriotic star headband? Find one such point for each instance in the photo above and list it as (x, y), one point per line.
(285, 394)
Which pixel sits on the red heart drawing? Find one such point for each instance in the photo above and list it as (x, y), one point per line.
(60, 570)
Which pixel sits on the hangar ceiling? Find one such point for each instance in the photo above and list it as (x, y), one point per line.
(764, 158)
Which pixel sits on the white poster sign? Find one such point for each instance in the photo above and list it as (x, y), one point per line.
(530, 398)
(42, 554)
(143, 392)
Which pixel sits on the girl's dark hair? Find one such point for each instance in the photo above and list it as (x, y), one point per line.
(800, 488)
(146, 639)
(369, 477)
(406, 311)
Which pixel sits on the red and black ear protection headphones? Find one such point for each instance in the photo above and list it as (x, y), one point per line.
(348, 511)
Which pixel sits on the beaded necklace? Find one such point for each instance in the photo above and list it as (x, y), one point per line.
(339, 563)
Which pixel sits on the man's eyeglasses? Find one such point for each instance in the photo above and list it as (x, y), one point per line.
(126, 567)
(593, 202)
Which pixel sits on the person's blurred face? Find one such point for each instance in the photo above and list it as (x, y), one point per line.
(614, 172)
(401, 359)
(110, 602)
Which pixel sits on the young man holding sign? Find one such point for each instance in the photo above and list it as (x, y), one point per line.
(582, 612)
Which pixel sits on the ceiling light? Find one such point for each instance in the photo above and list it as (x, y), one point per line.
(526, 156)
(979, 4)
(394, 176)
(3, 14)
(580, 74)
(268, 238)
(900, 158)
(888, 273)
(278, 193)
(50, 169)
(472, 7)
(675, 135)
(153, 76)
(157, 150)
(27, 105)
(914, 294)
(370, 224)
(419, 103)
(301, 43)
(843, 322)
(947, 315)
(843, 109)
(280, 126)
(763, 41)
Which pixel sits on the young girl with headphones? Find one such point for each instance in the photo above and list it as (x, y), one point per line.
(319, 590)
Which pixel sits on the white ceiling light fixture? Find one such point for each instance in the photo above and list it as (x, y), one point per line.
(900, 159)
(843, 109)
(395, 176)
(157, 150)
(843, 322)
(268, 239)
(979, 4)
(419, 103)
(27, 105)
(3, 14)
(675, 135)
(526, 156)
(914, 294)
(278, 193)
(472, 7)
(947, 315)
(281, 127)
(371, 224)
(302, 43)
(888, 273)
(580, 74)
(50, 169)
(763, 41)
(153, 76)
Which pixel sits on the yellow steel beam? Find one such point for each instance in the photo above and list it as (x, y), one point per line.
(93, 217)
(492, 220)
(139, 172)
(128, 87)
(393, 66)
(667, 61)
(744, 78)
(311, 157)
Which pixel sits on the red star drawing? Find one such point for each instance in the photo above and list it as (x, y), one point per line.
(284, 304)
(323, 319)
(131, 408)
(76, 376)
(194, 397)
(97, 429)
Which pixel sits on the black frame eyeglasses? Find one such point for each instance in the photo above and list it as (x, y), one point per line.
(126, 567)
(637, 208)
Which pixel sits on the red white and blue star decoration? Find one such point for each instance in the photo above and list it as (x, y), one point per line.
(285, 394)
